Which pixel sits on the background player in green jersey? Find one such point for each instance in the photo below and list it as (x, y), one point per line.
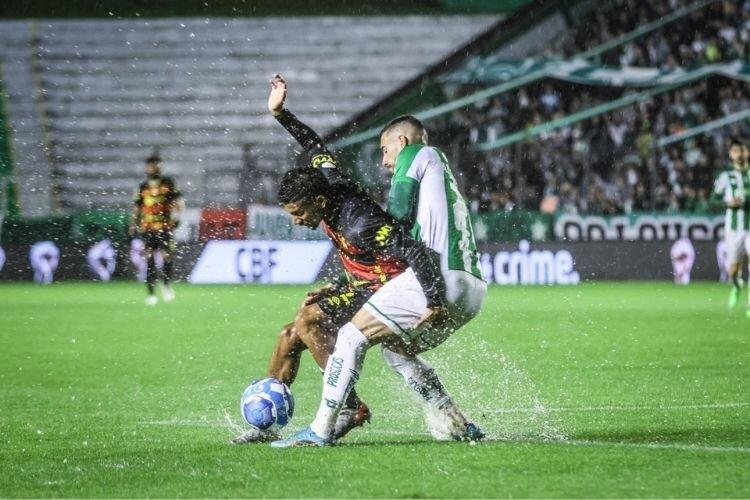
(732, 188)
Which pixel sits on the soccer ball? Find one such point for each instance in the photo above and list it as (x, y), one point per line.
(267, 404)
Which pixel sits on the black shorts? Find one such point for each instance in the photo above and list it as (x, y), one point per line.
(340, 304)
(158, 240)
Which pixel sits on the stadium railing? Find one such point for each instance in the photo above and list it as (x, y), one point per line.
(501, 88)
(8, 199)
(704, 128)
(687, 78)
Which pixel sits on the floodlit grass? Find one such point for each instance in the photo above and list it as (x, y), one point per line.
(600, 390)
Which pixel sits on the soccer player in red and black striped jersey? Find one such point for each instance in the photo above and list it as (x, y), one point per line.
(355, 228)
(374, 247)
(157, 207)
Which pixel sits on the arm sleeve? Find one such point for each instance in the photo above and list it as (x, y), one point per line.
(174, 192)
(373, 230)
(717, 193)
(304, 135)
(138, 197)
(320, 157)
(403, 199)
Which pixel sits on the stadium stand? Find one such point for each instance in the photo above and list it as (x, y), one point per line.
(105, 94)
(7, 188)
(606, 163)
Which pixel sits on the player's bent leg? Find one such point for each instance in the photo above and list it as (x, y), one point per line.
(285, 358)
(736, 283)
(444, 419)
(167, 292)
(311, 326)
(315, 330)
(150, 277)
(735, 254)
(342, 372)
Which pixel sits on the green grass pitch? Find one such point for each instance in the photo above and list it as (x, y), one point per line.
(600, 390)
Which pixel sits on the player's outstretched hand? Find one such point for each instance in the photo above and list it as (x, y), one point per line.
(315, 295)
(277, 96)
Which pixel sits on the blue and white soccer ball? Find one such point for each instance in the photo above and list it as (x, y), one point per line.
(267, 404)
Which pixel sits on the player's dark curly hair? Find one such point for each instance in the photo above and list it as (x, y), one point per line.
(303, 183)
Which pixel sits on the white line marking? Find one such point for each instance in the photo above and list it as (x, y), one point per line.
(561, 409)
(583, 409)
(583, 442)
(551, 409)
(657, 446)
(525, 439)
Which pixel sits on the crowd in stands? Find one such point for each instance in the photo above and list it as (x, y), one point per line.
(608, 164)
(719, 31)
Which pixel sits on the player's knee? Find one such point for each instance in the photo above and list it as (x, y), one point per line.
(307, 317)
(289, 340)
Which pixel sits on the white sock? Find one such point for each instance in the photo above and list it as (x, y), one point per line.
(420, 377)
(342, 371)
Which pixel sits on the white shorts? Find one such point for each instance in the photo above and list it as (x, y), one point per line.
(737, 245)
(400, 303)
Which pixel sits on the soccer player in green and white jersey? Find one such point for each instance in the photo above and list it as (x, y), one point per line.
(424, 197)
(732, 187)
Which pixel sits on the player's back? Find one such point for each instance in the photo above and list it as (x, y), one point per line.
(441, 219)
(359, 215)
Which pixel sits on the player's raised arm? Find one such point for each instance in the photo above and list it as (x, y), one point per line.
(304, 135)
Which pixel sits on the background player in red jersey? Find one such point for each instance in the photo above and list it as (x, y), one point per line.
(157, 208)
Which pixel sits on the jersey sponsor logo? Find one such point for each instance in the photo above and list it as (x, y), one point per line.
(323, 161)
(381, 237)
(344, 298)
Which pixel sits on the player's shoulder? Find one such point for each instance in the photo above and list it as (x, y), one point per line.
(410, 153)
(361, 214)
(323, 159)
(166, 179)
(418, 156)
